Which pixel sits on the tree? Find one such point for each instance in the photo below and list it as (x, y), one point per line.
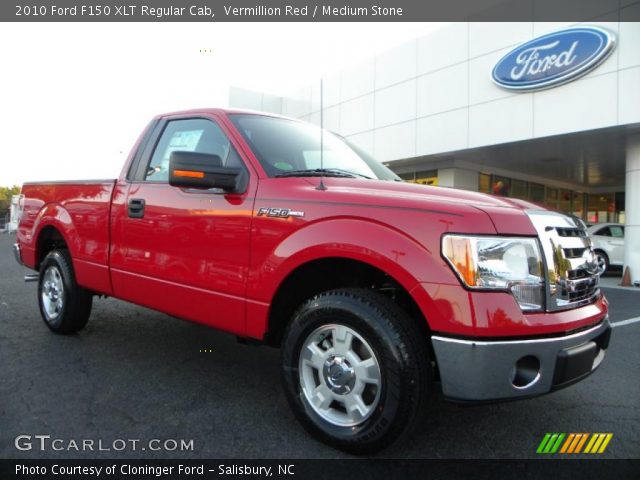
(5, 198)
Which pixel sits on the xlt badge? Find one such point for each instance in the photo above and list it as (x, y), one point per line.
(279, 212)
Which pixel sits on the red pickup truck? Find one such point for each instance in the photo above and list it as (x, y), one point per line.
(375, 290)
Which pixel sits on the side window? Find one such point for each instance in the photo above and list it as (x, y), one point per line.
(192, 135)
(603, 232)
(616, 231)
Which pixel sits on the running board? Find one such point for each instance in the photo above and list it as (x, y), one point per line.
(31, 277)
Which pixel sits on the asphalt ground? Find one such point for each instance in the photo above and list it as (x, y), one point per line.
(137, 374)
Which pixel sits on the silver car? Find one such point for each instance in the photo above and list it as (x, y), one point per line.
(608, 244)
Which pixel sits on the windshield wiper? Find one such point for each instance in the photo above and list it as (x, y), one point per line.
(318, 172)
(350, 172)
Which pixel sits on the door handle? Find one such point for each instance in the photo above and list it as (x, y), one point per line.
(136, 208)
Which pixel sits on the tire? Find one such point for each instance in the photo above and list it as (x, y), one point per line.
(603, 261)
(365, 394)
(64, 305)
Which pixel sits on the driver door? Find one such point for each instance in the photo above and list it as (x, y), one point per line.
(184, 251)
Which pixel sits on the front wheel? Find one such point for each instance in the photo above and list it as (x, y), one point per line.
(64, 305)
(603, 261)
(356, 370)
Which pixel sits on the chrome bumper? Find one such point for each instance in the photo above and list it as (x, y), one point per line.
(472, 370)
(16, 253)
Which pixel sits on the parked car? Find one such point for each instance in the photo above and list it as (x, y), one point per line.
(608, 244)
(377, 291)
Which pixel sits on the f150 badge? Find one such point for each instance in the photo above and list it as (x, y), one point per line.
(279, 212)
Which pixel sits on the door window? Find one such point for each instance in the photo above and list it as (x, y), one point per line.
(191, 135)
(603, 232)
(616, 231)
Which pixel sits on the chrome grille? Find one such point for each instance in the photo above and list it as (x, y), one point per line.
(571, 232)
(570, 266)
(574, 252)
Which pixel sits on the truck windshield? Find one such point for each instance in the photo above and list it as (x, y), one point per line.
(291, 148)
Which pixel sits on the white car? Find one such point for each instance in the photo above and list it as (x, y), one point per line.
(608, 244)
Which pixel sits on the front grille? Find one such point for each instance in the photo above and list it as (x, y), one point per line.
(576, 290)
(570, 232)
(570, 267)
(578, 274)
(574, 252)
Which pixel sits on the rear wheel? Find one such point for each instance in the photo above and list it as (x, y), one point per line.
(355, 369)
(64, 305)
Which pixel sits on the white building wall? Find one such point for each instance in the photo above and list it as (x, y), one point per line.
(632, 225)
(252, 100)
(458, 178)
(434, 94)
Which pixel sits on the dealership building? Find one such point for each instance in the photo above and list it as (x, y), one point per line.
(439, 110)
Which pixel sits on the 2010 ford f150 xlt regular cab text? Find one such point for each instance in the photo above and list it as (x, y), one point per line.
(374, 289)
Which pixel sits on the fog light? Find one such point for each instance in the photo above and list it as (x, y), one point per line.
(526, 372)
(529, 296)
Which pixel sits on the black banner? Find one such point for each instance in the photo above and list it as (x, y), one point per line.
(316, 11)
(371, 469)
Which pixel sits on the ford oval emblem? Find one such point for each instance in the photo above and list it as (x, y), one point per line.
(553, 59)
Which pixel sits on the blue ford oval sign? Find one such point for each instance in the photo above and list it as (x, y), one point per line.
(553, 59)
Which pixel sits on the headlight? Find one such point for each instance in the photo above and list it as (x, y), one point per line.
(511, 264)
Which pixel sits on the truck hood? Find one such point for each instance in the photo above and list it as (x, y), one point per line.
(507, 214)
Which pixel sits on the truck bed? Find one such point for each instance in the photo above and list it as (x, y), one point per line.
(81, 210)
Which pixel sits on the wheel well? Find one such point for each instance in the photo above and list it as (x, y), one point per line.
(49, 239)
(328, 274)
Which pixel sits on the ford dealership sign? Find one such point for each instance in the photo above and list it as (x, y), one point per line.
(553, 59)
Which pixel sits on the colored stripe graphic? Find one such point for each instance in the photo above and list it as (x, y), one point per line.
(550, 443)
(573, 443)
(556, 445)
(603, 447)
(582, 442)
(567, 443)
(593, 439)
(598, 443)
(543, 443)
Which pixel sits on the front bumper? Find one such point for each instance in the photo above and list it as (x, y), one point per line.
(474, 370)
(17, 254)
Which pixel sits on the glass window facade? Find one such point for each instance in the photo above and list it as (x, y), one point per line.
(423, 177)
(592, 208)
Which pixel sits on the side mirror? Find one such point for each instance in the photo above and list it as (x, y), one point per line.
(204, 171)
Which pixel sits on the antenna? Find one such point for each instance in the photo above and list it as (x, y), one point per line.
(321, 186)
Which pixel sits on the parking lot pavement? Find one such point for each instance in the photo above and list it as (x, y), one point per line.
(137, 374)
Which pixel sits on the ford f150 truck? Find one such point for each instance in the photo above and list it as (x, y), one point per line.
(375, 290)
